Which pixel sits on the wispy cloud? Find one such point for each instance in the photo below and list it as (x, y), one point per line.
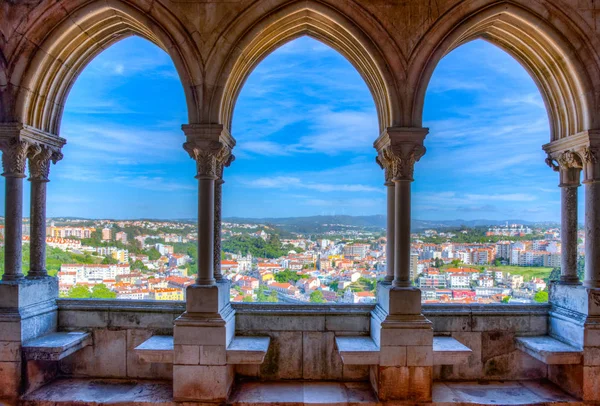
(282, 182)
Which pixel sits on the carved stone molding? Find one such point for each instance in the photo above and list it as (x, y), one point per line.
(40, 158)
(210, 145)
(14, 157)
(575, 153)
(398, 149)
(18, 142)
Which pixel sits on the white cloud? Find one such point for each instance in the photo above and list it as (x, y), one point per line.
(286, 182)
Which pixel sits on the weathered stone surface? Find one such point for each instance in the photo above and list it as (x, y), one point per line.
(404, 383)
(148, 355)
(568, 377)
(56, 346)
(510, 392)
(186, 354)
(393, 356)
(357, 350)
(75, 319)
(10, 376)
(449, 351)
(107, 358)
(352, 323)
(494, 343)
(101, 391)
(39, 373)
(591, 383)
(549, 350)
(208, 383)
(472, 368)
(284, 360)
(215, 355)
(246, 350)
(187, 335)
(406, 336)
(10, 351)
(419, 356)
(515, 365)
(320, 360)
(248, 323)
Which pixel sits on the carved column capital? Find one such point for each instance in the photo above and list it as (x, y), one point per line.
(568, 164)
(210, 145)
(398, 149)
(40, 157)
(14, 157)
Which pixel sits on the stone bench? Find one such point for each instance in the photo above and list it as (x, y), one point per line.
(549, 350)
(362, 350)
(241, 350)
(449, 351)
(156, 349)
(56, 346)
(358, 350)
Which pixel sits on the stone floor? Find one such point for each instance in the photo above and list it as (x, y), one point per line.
(500, 393)
(75, 392)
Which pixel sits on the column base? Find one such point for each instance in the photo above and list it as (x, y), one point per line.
(405, 339)
(207, 299)
(395, 300)
(201, 337)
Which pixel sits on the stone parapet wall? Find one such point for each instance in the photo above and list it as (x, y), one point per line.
(302, 338)
(117, 327)
(490, 331)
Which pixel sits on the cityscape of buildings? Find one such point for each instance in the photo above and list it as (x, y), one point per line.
(155, 260)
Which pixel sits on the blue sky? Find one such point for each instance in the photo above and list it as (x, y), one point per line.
(305, 123)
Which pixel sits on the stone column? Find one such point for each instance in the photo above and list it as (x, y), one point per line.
(391, 223)
(208, 324)
(591, 180)
(218, 210)
(403, 334)
(14, 156)
(39, 168)
(569, 168)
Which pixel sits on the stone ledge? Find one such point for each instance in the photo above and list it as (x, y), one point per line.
(449, 351)
(247, 350)
(549, 350)
(358, 350)
(156, 349)
(56, 346)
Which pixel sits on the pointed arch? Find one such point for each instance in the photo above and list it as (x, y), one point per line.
(49, 72)
(547, 54)
(323, 23)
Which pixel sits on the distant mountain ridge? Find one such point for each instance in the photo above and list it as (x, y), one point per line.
(375, 221)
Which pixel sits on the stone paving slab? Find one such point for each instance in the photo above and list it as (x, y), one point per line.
(294, 393)
(75, 392)
(500, 393)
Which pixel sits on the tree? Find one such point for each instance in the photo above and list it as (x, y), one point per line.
(317, 297)
(79, 292)
(506, 299)
(153, 254)
(541, 297)
(334, 286)
(102, 292)
(109, 260)
(247, 299)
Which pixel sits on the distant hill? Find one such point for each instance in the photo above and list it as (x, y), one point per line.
(313, 224)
